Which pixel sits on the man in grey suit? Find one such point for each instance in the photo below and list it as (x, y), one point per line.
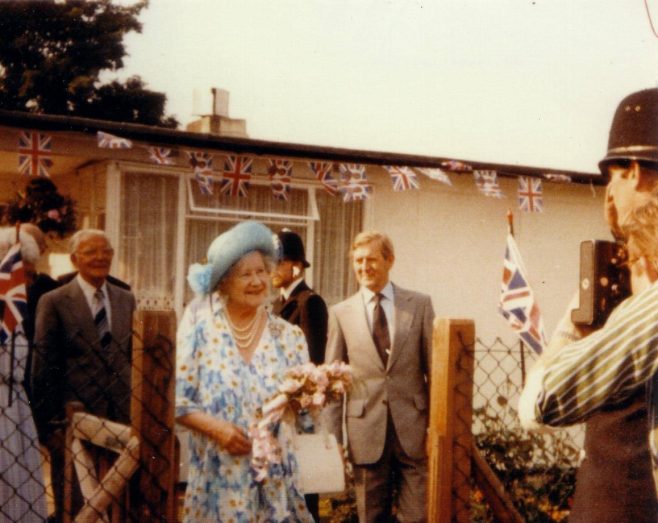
(384, 332)
(82, 348)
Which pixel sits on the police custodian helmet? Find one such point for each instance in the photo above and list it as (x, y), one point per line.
(634, 130)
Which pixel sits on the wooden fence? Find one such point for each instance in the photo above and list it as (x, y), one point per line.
(455, 464)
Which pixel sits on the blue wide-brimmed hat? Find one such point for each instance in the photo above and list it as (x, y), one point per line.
(226, 250)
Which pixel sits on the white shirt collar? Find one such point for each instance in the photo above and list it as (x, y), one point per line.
(287, 291)
(89, 290)
(387, 292)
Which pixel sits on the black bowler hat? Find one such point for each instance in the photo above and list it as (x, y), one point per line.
(634, 130)
(292, 247)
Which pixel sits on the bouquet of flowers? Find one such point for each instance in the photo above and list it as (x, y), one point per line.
(305, 388)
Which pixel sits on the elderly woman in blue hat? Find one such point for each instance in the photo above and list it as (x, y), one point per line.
(232, 355)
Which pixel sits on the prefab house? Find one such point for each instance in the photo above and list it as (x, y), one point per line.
(150, 189)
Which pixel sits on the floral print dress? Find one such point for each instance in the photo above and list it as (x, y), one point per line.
(213, 377)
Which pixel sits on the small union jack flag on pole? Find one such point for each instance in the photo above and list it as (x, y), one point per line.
(530, 194)
(13, 294)
(322, 171)
(201, 163)
(517, 301)
(403, 178)
(280, 172)
(236, 175)
(109, 141)
(355, 184)
(34, 150)
(160, 155)
(487, 183)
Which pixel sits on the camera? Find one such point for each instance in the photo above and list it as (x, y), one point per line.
(604, 281)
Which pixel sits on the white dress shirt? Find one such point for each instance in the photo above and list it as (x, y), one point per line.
(89, 291)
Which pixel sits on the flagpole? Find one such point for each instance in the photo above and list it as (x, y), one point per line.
(510, 228)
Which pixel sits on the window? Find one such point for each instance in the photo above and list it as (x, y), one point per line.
(151, 242)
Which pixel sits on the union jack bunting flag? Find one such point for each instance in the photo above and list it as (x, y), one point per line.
(109, 141)
(322, 171)
(403, 178)
(13, 295)
(487, 183)
(160, 155)
(354, 184)
(201, 163)
(530, 194)
(34, 154)
(559, 178)
(236, 175)
(456, 165)
(435, 174)
(517, 301)
(280, 172)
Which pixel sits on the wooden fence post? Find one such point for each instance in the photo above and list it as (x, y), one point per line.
(152, 415)
(451, 412)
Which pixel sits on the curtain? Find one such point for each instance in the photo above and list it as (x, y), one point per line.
(148, 238)
(332, 270)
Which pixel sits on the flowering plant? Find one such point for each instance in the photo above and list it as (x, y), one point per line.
(305, 388)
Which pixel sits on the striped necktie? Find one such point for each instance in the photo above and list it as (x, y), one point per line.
(100, 319)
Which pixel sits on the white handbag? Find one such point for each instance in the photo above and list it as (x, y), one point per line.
(320, 463)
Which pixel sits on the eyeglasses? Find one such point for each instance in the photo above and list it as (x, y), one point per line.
(88, 253)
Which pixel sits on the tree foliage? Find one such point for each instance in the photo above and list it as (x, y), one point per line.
(52, 54)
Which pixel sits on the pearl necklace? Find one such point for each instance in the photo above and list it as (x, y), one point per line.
(244, 336)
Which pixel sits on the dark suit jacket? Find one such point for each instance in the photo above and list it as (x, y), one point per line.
(68, 363)
(308, 310)
(41, 285)
(65, 278)
(400, 388)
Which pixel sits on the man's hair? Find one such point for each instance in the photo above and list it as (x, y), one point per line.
(641, 228)
(365, 237)
(85, 234)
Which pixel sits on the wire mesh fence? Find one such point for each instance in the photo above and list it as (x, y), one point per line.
(120, 468)
(537, 471)
(85, 442)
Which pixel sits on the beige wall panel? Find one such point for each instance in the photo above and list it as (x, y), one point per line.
(450, 243)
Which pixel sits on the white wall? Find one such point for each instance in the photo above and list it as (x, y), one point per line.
(450, 243)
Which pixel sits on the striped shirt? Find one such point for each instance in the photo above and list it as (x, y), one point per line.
(602, 369)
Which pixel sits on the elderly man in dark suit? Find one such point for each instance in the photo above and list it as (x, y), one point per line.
(384, 332)
(82, 347)
(300, 305)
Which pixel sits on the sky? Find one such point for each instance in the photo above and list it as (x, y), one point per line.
(521, 82)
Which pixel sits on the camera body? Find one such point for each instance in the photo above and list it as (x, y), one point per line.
(605, 281)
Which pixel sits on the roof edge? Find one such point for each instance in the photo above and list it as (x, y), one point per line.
(176, 137)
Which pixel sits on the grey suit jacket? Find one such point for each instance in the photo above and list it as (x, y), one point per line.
(402, 388)
(68, 361)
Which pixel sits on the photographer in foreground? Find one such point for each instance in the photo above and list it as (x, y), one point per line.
(606, 378)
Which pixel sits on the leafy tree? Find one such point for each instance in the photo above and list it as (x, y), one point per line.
(53, 52)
